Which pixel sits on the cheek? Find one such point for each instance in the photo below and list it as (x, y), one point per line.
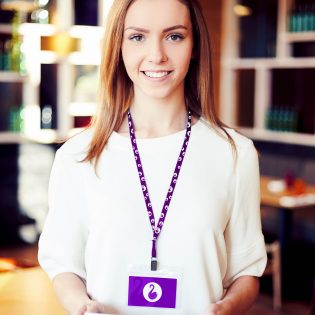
(130, 58)
(182, 54)
(184, 60)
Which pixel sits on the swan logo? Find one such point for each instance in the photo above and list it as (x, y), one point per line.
(152, 292)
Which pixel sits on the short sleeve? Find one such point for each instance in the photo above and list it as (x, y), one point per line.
(62, 242)
(246, 253)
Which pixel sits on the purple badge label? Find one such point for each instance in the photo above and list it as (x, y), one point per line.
(152, 292)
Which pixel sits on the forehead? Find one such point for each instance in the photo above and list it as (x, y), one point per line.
(151, 14)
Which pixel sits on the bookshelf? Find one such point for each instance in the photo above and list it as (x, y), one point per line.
(60, 58)
(266, 70)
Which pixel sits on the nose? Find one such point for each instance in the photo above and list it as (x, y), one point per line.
(157, 52)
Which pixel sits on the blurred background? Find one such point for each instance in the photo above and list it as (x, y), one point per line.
(264, 80)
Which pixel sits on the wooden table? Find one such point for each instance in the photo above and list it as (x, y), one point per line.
(285, 215)
(27, 292)
(274, 200)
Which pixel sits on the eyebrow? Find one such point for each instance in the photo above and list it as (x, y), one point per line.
(143, 30)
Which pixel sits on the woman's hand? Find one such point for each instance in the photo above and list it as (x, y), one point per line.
(238, 298)
(93, 307)
(220, 308)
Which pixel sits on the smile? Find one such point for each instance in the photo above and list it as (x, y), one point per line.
(160, 74)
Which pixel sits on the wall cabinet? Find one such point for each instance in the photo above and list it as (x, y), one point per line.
(268, 69)
(57, 91)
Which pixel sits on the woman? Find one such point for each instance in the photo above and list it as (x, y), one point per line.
(156, 143)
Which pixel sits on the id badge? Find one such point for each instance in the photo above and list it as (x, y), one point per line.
(160, 289)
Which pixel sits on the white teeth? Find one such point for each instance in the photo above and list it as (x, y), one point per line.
(156, 74)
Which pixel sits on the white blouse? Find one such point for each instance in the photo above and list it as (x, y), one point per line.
(97, 225)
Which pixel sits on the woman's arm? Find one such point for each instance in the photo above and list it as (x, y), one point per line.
(238, 299)
(71, 292)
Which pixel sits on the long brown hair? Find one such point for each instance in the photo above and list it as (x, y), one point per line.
(116, 88)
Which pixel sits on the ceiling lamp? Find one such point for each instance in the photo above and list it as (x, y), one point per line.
(242, 10)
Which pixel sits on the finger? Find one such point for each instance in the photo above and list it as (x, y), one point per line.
(212, 310)
(93, 307)
(82, 310)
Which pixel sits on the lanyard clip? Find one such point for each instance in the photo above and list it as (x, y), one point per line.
(153, 264)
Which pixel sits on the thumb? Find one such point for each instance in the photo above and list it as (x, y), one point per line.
(95, 307)
(81, 311)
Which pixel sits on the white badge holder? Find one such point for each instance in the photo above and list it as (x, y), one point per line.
(154, 289)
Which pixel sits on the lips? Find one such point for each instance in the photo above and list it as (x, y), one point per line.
(156, 74)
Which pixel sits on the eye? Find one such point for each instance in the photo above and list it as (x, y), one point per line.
(136, 38)
(175, 37)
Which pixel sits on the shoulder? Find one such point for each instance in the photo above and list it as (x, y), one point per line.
(218, 138)
(77, 146)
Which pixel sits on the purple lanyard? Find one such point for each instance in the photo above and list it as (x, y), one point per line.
(157, 230)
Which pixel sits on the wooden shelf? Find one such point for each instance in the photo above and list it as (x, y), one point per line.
(269, 63)
(292, 37)
(80, 58)
(48, 57)
(82, 31)
(44, 136)
(10, 76)
(36, 29)
(82, 109)
(278, 136)
(259, 94)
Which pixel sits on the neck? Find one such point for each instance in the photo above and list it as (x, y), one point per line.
(154, 118)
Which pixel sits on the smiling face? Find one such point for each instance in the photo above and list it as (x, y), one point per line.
(157, 47)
